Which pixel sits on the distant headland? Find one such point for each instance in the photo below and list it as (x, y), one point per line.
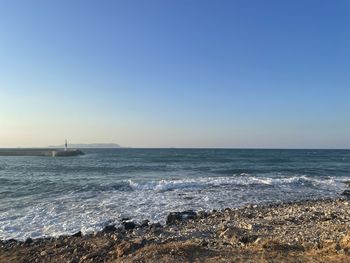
(90, 145)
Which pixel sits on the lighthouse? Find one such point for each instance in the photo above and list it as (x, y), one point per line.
(65, 145)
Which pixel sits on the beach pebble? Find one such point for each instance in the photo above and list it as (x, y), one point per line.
(126, 247)
(73, 260)
(246, 226)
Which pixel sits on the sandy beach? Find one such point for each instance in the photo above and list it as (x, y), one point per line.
(305, 231)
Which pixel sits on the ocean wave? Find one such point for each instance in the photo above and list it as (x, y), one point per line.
(165, 185)
(242, 180)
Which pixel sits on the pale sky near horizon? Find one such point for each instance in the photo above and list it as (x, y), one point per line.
(271, 74)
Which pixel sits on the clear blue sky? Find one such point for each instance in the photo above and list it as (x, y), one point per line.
(178, 73)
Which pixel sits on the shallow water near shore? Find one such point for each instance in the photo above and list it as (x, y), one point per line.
(42, 196)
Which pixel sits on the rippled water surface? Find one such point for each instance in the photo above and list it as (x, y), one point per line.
(41, 196)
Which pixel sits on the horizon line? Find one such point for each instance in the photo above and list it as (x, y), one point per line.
(184, 148)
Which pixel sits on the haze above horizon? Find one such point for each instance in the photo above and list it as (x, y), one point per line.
(227, 74)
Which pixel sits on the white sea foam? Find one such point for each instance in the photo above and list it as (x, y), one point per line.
(202, 182)
(165, 185)
(154, 199)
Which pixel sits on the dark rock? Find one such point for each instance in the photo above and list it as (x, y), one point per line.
(38, 241)
(155, 228)
(176, 217)
(173, 218)
(10, 243)
(109, 228)
(78, 234)
(28, 241)
(189, 214)
(155, 225)
(204, 243)
(248, 238)
(144, 223)
(202, 214)
(125, 219)
(129, 225)
(250, 215)
(346, 193)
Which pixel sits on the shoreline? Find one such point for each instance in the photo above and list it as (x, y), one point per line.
(138, 222)
(306, 230)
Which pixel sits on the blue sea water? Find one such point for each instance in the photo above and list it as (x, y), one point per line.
(42, 196)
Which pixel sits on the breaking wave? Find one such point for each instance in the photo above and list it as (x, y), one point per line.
(242, 180)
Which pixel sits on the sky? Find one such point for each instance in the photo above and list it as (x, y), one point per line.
(184, 73)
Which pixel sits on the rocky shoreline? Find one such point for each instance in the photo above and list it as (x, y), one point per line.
(304, 231)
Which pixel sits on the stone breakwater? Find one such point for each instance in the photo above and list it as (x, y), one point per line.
(305, 231)
(40, 152)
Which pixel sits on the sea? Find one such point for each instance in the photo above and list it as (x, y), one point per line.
(48, 197)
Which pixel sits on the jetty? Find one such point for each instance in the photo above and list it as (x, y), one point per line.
(39, 152)
(47, 152)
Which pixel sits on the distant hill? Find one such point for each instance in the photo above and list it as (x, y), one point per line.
(88, 145)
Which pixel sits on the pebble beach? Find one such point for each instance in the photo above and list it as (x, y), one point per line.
(304, 231)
